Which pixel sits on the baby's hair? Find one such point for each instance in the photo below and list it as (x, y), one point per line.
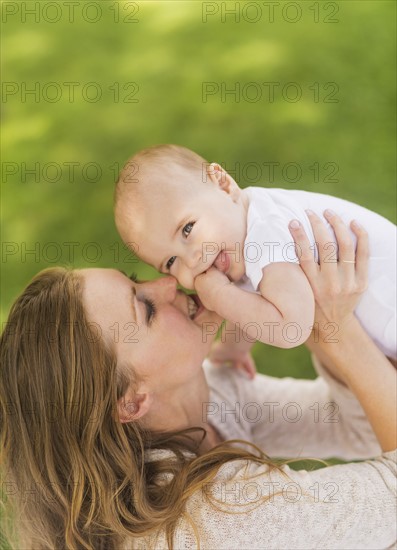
(154, 162)
(181, 156)
(152, 170)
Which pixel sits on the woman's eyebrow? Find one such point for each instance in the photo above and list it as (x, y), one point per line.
(133, 277)
(133, 294)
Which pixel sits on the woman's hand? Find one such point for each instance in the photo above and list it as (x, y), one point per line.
(352, 357)
(337, 282)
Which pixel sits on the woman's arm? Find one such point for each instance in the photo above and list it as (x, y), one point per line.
(320, 418)
(354, 358)
(291, 418)
(370, 376)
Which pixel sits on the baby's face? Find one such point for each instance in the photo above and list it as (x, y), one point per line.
(183, 230)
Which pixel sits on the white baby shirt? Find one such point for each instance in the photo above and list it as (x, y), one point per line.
(268, 240)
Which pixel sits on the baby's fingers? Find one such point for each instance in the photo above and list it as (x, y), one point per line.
(247, 368)
(201, 283)
(303, 250)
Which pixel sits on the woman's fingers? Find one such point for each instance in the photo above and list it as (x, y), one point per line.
(303, 250)
(343, 237)
(337, 285)
(327, 249)
(343, 268)
(345, 251)
(362, 255)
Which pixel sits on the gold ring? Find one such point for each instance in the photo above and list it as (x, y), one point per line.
(348, 261)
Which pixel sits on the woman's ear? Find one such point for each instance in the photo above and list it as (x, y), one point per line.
(132, 406)
(224, 180)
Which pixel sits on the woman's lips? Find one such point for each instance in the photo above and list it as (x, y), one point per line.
(222, 262)
(198, 303)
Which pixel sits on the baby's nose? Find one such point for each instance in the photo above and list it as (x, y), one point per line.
(192, 260)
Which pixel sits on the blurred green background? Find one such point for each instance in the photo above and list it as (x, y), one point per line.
(137, 72)
(148, 63)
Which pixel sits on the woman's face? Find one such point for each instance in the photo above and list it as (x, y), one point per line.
(149, 325)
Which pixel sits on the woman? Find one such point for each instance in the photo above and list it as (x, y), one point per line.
(104, 405)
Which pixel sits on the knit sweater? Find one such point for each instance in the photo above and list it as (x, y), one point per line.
(254, 507)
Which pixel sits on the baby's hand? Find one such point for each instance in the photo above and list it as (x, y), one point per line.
(208, 286)
(222, 352)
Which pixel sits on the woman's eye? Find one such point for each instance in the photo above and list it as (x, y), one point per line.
(170, 262)
(187, 229)
(150, 310)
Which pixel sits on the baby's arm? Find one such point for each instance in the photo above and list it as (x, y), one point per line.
(282, 315)
(285, 286)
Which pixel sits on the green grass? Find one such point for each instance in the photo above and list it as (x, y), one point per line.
(169, 53)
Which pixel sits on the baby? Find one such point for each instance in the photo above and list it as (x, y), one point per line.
(190, 219)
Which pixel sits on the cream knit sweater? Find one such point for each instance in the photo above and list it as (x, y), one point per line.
(342, 506)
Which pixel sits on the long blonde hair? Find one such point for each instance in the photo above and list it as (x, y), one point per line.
(79, 477)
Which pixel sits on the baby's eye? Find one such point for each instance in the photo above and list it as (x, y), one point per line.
(170, 262)
(187, 229)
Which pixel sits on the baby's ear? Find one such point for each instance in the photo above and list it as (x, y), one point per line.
(224, 180)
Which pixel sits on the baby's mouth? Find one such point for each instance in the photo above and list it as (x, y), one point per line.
(222, 262)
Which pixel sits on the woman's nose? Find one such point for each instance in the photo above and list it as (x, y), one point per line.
(185, 277)
(162, 289)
